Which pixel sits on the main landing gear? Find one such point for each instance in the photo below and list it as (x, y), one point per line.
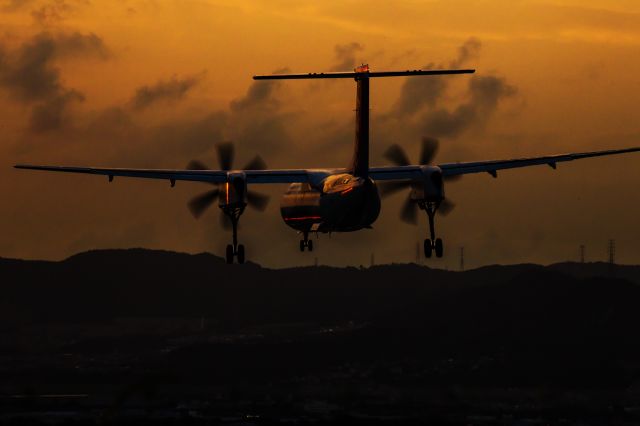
(432, 244)
(306, 242)
(234, 249)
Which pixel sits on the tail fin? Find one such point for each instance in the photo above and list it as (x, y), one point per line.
(360, 162)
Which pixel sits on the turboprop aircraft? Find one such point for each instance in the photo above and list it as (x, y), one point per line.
(339, 199)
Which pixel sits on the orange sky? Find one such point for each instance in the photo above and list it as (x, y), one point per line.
(157, 83)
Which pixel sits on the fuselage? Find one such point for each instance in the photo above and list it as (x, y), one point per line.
(339, 203)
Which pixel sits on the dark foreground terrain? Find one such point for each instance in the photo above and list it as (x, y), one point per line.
(138, 336)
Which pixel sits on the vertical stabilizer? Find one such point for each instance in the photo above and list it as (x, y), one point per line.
(360, 162)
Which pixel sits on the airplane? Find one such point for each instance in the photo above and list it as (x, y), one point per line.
(337, 199)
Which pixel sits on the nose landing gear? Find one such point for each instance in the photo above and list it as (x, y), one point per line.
(306, 242)
(432, 244)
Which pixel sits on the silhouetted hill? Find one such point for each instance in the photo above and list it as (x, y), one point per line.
(562, 301)
(385, 339)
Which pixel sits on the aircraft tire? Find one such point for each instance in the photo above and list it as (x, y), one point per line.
(240, 254)
(439, 247)
(302, 245)
(229, 254)
(310, 245)
(428, 248)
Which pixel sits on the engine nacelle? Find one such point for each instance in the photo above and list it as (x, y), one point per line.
(431, 187)
(233, 193)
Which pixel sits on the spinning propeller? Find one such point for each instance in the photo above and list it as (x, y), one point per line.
(200, 203)
(398, 156)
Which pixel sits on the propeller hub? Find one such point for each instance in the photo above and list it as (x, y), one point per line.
(431, 187)
(234, 191)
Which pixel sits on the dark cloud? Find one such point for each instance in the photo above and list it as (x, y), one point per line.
(81, 45)
(187, 139)
(417, 93)
(31, 76)
(53, 113)
(52, 12)
(14, 5)
(253, 121)
(256, 120)
(165, 91)
(346, 56)
(421, 99)
(486, 91)
(484, 94)
(259, 95)
(470, 49)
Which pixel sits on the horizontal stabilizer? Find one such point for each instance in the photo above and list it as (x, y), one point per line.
(369, 74)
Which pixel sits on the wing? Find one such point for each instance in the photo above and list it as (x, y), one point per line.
(491, 167)
(211, 176)
(314, 176)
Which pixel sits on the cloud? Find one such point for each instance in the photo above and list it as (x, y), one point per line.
(346, 56)
(51, 13)
(421, 99)
(52, 113)
(417, 93)
(164, 91)
(30, 75)
(14, 5)
(484, 92)
(81, 45)
(259, 95)
(470, 49)
(254, 121)
(257, 121)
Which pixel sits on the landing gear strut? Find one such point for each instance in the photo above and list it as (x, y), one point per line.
(306, 242)
(432, 244)
(234, 249)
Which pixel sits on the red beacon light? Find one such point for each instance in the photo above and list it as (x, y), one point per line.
(362, 68)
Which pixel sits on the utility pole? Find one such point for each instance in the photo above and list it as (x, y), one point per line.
(582, 253)
(462, 258)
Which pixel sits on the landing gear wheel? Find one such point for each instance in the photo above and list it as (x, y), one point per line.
(439, 248)
(229, 254)
(302, 245)
(240, 254)
(310, 245)
(428, 248)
